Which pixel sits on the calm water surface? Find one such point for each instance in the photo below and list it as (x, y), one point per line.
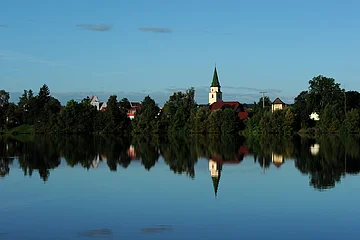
(195, 188)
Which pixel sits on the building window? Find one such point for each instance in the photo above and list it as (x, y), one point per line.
(212, 95)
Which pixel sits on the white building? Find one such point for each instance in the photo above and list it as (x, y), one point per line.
(314, 116)
(100, 106)
(277, 105)
(314, 149)
(215, 94)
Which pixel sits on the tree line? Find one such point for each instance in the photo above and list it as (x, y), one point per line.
(339, 111)
(42, 113)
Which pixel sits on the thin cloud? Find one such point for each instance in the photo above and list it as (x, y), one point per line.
(95, 27)
(175, 89)
(272, 90)
(156, 30)
(108, 74)
(160, 97)
(15, 56)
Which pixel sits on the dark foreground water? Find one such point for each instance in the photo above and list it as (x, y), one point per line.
(195, 188)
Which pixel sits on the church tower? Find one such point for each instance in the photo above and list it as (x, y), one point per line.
(215, 94)
(215, 173)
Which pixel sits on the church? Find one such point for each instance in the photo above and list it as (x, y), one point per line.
(216, 102)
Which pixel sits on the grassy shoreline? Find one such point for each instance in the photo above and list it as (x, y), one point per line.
(30, 130)
(22, 129)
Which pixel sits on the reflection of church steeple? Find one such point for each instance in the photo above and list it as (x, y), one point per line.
(215, 172)
(216, 181)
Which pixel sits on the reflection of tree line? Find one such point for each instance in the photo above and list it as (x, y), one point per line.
(43, 153)
(334, 158)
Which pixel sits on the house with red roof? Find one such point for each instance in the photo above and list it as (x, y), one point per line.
(216, 102)
(100, 106)
(135, 106)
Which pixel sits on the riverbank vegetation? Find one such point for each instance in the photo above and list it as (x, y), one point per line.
(42, 113)
(338, 111)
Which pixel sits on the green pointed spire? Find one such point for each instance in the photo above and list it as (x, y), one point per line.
(215, 81)
(216, 184)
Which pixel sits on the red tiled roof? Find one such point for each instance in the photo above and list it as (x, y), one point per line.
(243, 115)
(236, 106)
(238, 157)
(244, 150)
(278, 164)
(220, 160)
(221, 105)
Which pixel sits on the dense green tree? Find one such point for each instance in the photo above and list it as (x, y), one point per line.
(4, 98)
(78, 117)
(302, 110)
(266, 100)
(199, 117)
(146, 118)
(267, 103)
(125, 104)
(13, 116)
(352, 100)
(265, 122)
(253, 123)
(23, 99)
(229, 121)
(4, 102)
(352, 121)
(289, 122)
(324, 91)
(27, 106)
(48, 119)
(331, 118)
(177, 111)
(215, 121)
(44, 93)
(115, 118)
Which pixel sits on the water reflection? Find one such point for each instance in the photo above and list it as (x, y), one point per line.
(96, 233)
(157, 229)
(324, 159)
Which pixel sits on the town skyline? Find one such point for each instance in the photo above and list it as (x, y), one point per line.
(201, 95)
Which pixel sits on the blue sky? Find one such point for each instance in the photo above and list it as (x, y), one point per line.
(276, 46)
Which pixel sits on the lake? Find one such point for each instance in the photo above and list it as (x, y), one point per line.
(199, 187)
